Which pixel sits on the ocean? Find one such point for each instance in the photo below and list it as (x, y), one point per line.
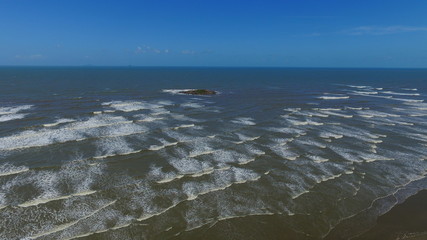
(278, 153)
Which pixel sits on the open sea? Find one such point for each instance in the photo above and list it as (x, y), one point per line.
(118, 153)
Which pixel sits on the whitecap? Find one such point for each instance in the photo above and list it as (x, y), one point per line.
(9, 169)
(176, 91)
(244, 121)
(59, 121)
(401, 94)
(14, 109)
(192, 105)
(333, 97)
(10, 117)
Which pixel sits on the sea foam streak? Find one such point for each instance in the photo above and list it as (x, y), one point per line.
(70, 224)
(333, 97)
(36, 202)
(9, 169)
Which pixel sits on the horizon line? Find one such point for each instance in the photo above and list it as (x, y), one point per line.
(168, 66)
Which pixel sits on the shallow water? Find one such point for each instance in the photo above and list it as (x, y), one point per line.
(117, 153)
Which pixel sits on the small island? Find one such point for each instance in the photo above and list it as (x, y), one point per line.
(198, 92)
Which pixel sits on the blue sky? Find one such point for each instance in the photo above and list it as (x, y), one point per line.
(306, 33)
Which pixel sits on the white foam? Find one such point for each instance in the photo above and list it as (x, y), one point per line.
(183, 126)
(337, 114)
(9, 169)
(14, 109)
(130, 106)
(244, 121)
(59, 121)
(192, 105)
(10, 117)
(401, 94)
(197, 153)
(410, 89)
(371, 157)
(288, 130)
(333, 97)
(70, 224)
(36, 202)
(167, 180)
(372, 113)
(296, 122)
(285, 152)
(164, 145)
(98, 126)
(358, 86)
(366, 93)
(176, 91)
(244, 138)
(328, 109)
(149, 119)
(409, 100)
(283, 141)
(225, 180)
(245, 161)
(330, 135)
(328, 178)
(203, 173)
(317, 159)
(310, 142)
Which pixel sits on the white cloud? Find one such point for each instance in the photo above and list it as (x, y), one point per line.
(378, 30)
(147, 49)
(188, 52)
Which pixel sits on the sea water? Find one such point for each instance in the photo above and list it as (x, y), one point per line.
(119, 153)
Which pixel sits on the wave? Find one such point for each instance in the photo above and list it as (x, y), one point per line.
(244, 121)
(165, 144)
(131, 106)
(14, 109)
(244, 162)
(337, 114)
(192, 105)
(303, 123)
(358, 86)
(365, 93)
(36, 202)
(117, 154)
(99, 231)
(333, 97)
(401, 94)
(285, 152)
(59, 121)
(9, 169)
(317, 159)
(203, 173)
(176, 91)
(167, 180)
(75, 131)
(372, 113)
(149, 119)
(70, 224)
(327, 109)
(244, 138)
(10, 117)
(196, 153)
(410, 89)
(183, 126)
(409, 100)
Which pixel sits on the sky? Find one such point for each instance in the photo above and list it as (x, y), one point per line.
(230, 33)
